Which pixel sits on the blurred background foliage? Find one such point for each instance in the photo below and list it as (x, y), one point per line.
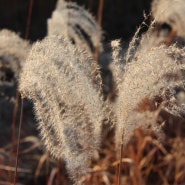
(120, 17)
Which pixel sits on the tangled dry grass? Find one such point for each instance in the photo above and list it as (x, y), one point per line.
(137, 138)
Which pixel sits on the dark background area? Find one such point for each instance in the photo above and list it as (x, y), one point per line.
(120, 17)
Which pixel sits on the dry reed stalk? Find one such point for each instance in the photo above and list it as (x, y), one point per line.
(13, 51)
(29, 19)
(52, 176)
(42, 160)
(19, 136)
(120, 166)
(17, 99)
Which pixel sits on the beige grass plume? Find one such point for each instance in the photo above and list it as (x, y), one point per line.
(168, 25)
(77, 24)
(171, 13)
(57, 78)
(13, 52)
(150, 82)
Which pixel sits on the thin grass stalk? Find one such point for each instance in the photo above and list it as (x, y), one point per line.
(18, 141)
(47, 168)
(52, 176)
(90, 4)
(58, 172)
(22, 101)
(29, 19)
(100, 12)
(137, 178)
(13, 134)
(120, 166)
(42, 160)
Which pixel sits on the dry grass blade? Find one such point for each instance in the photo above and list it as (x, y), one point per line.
(52, 176)
(8, 183)
(13, 169)
(40, 165)
(147, 159)
(19, 136)
(31, 139)
(124, 160)
(31, 148)
(120, 166)
(28, 139)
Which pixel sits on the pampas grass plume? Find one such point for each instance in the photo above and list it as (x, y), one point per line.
(68, 107)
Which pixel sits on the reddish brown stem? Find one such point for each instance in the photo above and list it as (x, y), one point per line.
(120, 166)
(47, 169)
(13, 134)
(18, 142)
(90, 4)
(58, 173)
(29, 19)
(100, 12)
(16, 103)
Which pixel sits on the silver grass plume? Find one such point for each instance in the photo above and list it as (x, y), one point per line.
(13, 52)
(77, 24)
(168, 25)
(151, 39)
(171, 13)
(150, 83)
(57, 78)
(116, 68)
(117, 65)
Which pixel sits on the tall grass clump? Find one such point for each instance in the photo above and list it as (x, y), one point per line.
(58, 78)
(13, 52)
(150, 83)
(77, 24)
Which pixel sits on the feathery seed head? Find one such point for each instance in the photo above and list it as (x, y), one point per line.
(171, 13)
(151, 76)
(13, 52)
(57, 78)
(117, 65)
(77, 24)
